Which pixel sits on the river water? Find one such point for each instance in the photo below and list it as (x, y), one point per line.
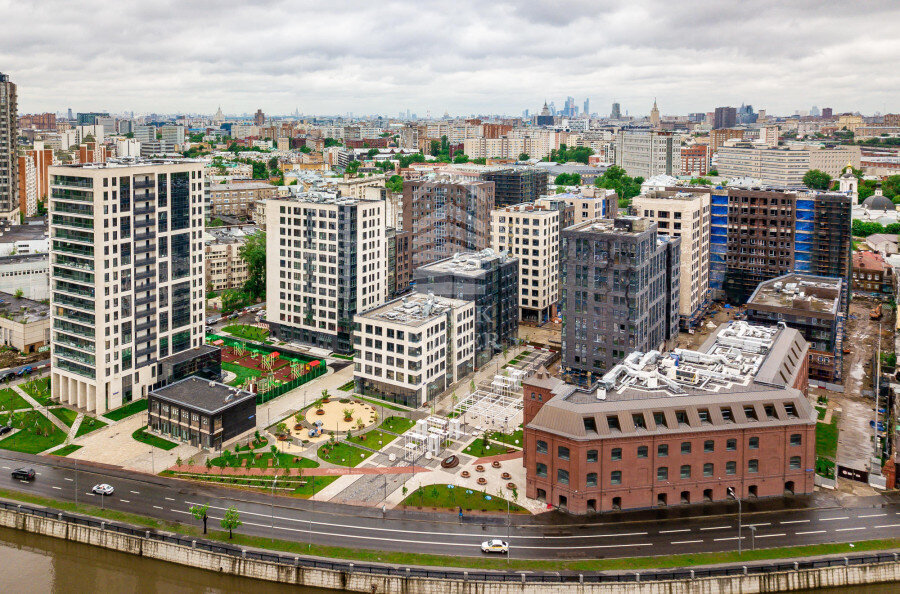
(33, 564)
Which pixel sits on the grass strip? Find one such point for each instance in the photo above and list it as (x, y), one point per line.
(89, 424)
(39, 389)
(66, 450)
(247, 332)
(242, 373)
(398, 425)
(10, 400)
(372, 438)
(152, 440)
(474, 562)
(383, 403)
(123, 412)
(827, 437)
(65, 415)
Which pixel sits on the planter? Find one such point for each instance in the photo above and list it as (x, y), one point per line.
(505, 476)
(348, 419)
(511, 486)
(326, 400)
(451, 462)
(479, 468)
(362, 437)
(298, 427)
(465, 474)
(320, 412)
(482, 481)
(495, 464)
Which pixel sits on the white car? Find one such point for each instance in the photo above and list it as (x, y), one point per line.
(103, 489)
(495, 546)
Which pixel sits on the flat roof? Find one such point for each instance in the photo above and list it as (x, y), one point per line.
(23, 310)
(202, 395)
(412, 310)
(819, 294)
(13, 233)
(467, 263)
(240, 186)
(621, 225)
(189, 354)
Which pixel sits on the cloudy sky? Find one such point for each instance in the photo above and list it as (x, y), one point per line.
(459, 56)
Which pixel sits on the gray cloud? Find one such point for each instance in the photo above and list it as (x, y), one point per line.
(465, 57)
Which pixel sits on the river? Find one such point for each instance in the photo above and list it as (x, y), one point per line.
(33, 564)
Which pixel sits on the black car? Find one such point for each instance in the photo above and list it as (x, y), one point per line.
(7, 375)
(23, 474)
(4, 429)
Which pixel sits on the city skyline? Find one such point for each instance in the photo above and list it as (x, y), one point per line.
(388, 59)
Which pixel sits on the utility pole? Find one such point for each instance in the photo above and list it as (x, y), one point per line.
(877, 456)
(508, 544)
(274, 482)
(734, 494)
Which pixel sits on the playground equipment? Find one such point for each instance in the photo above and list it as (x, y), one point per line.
(429, 436)
(316, 431)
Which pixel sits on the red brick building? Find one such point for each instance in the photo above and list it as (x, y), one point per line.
(677, 428)
(695, 160)
(871, 273)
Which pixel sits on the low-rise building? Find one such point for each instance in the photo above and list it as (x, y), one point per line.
(812, 305)
(531, 234)
(237, 199)
(225, 268)
(676, 428)
(883, 243)
(27, 273)
(412, 349)
(592, 203)
(24, 323)
(871, 273)
(201, 412)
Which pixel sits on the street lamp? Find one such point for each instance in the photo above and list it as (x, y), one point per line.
(752, 537)
(274, 482)
(732, 492)
(508, 545)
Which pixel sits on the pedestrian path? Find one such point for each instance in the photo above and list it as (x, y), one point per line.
(337, 471)
(40, 408)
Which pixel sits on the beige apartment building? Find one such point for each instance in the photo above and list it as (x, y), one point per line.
(783, 167)
(530, 233)
(326, 261)
(412, 349)
(685, 215)
(24, 323)
(225, 269)
(537, 146)
(591, 203)
(356, 187)
(238, 199)
(126, 274)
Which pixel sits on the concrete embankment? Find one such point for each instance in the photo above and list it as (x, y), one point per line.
(220, 557)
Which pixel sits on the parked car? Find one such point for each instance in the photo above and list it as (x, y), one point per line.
(23, 474)
(25, 370)
(4, 429)
(495, 546)
(7, 375)
(103, 489)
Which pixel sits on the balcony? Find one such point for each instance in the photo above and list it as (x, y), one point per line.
(66, 288)
(76, 329)
(73, 236)
(146, 286)
(68, 221)
(144, 183)
(73, 182)
(145, 351)
(141, 223)
(75, 368)
(145, 210)
(142, 275)
(60, 299)
(75, 344)
(143, 326)
(144, 197)
(143, 249)
(145, 300)
(148, 261)
(149, 311)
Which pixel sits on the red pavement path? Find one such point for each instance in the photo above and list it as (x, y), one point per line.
(215, 471)
(499, 458)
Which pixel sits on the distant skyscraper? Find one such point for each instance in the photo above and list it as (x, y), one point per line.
(654, 115)
(814, 111)
(71, 115)
(9, 166)
(725, 117)
(616, 112)
(260, 118)
(587, 107)
(827, 113)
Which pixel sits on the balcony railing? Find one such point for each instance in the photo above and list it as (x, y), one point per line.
(146, 274)
(77, 329)
(145, 236)
(146, 286)
(148, 261)
(143, 249)
(75, 344)
(145, 210)
(141, 223)
(73, 236)
(144, 183)
(61, 299)
(75, 368)
(145, 300)
(145, 351)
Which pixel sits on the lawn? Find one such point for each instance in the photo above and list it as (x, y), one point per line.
(343, 454)
(37, 434)
(39, 389)
(372, 438)
(153, 440)
(348, 387)
(303, 487)
(284, 461)
(515, 439)
(481, 447)
(247, 332)
(383, 403)
(243, 373)
(65, 415)
(123, 412)
(398, 425)
(66, 450)
(448, 496)
(821, 412)
(827, 438)
(825, 467)
(89, 424)
(10, 400)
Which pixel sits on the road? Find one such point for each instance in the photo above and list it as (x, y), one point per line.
(545, 536)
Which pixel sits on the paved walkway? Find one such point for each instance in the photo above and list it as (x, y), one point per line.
(339, 471)
(41, 408)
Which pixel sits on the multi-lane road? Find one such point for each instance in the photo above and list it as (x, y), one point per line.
(553, 535)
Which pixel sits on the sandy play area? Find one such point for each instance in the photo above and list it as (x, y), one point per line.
(333, 417)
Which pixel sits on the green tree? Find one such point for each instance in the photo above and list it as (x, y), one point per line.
(713, 172)
(394, 184)
(329, 142)
(231, 521)
(461, 158)
(864, 229)
(372, 152)
(816, 179)
(305, 149)
(253, 252)
(435, 148)
(578, 154)
(479, 161)
(405, 160)
(616, 179)
(352, 168)
(523, 157)
(891, 187)
(568, 179)
(199, 513)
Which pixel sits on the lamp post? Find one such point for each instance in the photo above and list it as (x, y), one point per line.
(733, 493)
(752, 537)
(152, 463)
(508, 545)
(76, 481)
(274, 482)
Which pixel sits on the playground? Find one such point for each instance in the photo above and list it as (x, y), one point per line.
(334, 418)
(249, 364)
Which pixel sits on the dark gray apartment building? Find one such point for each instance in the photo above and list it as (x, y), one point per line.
(517, 185)
(489, 279)
(620, 293)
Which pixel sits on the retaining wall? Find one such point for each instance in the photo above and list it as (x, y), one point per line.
(157, 546)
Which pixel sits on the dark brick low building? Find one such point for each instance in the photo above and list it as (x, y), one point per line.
(676, 428)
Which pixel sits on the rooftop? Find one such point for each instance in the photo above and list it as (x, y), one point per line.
(124, 162)
(412, 310)
(316, 197)
(531, 207)
(189, 354)
(620, 225)
(820, 294)
(668, 195)
(868, 261)
(14, 233)
(240, 186)
(202, 395)
(468, 263)
(22, 310)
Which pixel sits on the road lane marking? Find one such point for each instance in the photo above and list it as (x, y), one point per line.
(811, 532)
(135, 492)
(169, 499)
(68, 479)
(729, 538)
(157, 507)
(124, 501)
(58, 488)
(671, 531)
(181, 511)
(771, 535)
(677, 542)
(717, 528)
(793, 521)
(888, 526)
(6, 467)
(830, 519)
(761, 524)
(872, 516)
(848, 529)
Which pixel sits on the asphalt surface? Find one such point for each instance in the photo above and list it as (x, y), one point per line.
(553, 535)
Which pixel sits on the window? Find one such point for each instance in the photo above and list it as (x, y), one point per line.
(727, 415)
(592, 456)
(681, 417)
(685, 447)
(562, 476)
(770, 411)
(660, 419)
(709, 446)
(754, 443)
(796, 439)
(638, 420)
(591, 480)
(541, 447)
(615, 477)
(541, 470)
(790, 410)
(616, 453)
(794, 462)
(686, 471)
(730, 467)
(563, 453)
(643, 452)
(704, 415)
(662, 450)
(753, 465)
(590, 424)
(613, 422)
(708, 469)
(662, 473)
(731, 445)
(750, 412)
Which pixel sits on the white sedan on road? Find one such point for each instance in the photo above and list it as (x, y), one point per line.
(495, 546)
(103, 489)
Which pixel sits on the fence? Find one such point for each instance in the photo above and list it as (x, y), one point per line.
(313, 373)
(460, 574)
